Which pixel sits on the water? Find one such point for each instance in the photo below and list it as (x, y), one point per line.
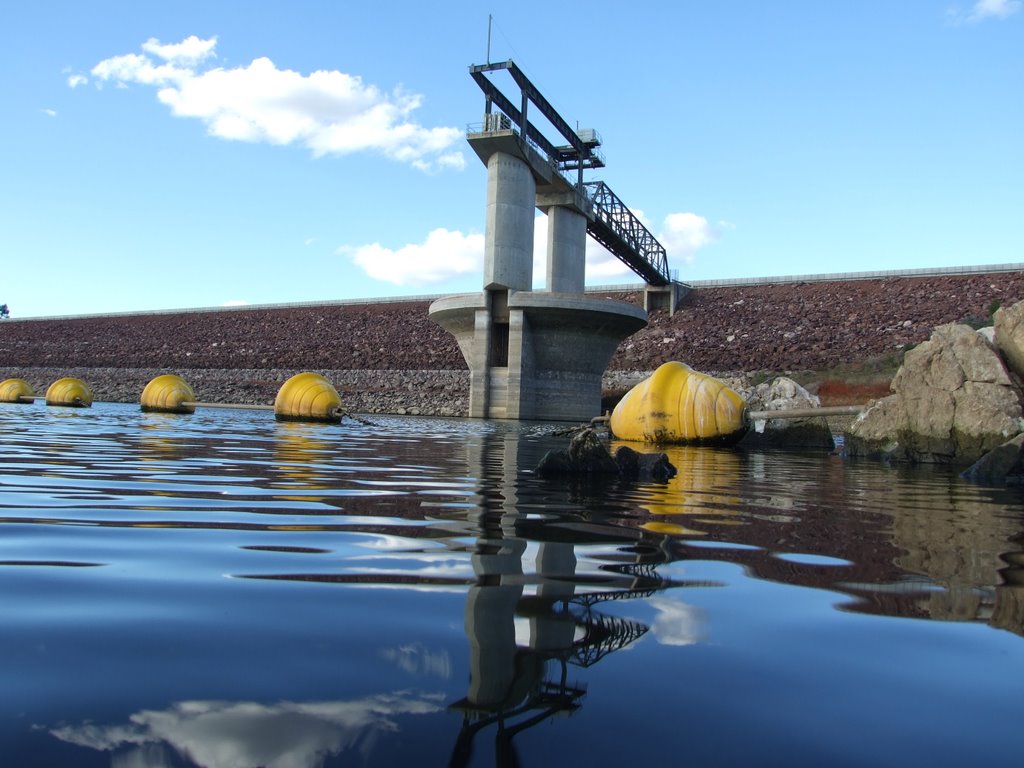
(223, 590)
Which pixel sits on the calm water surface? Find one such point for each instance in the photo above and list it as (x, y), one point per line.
(223, 590)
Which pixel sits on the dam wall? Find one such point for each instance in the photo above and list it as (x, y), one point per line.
(389, 356)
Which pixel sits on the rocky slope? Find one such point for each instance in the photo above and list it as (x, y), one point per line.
(389, 356)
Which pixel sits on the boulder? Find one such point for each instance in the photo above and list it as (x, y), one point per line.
(953, 401)
(1009, 336)
(783, 394)
(1000, 466)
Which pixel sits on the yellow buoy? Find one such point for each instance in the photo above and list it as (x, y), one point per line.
(678, 405)
(166, 393)
(15, 391)
(73, 393)
(308, 397)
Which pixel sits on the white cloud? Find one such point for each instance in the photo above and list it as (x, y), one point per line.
(50, 112)
(683, 234)
(134, 68)
(983, 10)
(993, 9)
(329, 112)
(76, 80)
(189, 51)
(448, 254)
(442, 256)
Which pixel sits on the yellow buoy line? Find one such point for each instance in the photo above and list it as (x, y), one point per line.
(304, 397)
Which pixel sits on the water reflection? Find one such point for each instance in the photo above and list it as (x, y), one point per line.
(530, 614)
(219, 734)
(911, 543)
(519, 674)
(456, 587)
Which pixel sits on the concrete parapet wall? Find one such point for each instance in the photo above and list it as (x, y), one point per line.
(872, 275)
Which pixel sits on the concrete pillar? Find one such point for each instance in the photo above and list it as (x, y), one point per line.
(567, 250)
(480, 374)
(508, 233)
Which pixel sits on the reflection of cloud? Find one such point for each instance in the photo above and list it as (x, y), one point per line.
(677, 623)
(224, 734)
(417, 660)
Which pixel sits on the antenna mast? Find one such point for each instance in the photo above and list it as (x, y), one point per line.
(489, 18)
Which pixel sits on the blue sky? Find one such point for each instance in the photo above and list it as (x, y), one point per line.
(197, 154)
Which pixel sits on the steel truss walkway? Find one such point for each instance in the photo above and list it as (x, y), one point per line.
(614, 226)
(617, 229)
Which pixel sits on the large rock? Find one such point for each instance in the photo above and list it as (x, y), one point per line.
(953, 401)
(1009, 336)
(782, 394)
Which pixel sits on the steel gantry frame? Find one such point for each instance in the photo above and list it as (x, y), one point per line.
(614, 226)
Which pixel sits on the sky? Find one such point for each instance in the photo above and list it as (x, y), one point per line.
(204, 154)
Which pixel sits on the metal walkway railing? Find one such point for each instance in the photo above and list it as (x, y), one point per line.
(617, 229)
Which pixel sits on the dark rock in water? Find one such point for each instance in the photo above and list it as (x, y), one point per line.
(634, 465)
(588, 456)
(555, 463)
(811, 432)
(1000, 466)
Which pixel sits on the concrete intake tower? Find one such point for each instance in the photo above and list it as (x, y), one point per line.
(540, 354)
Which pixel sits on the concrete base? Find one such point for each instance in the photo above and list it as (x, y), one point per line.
(536, 355)
(666, 297)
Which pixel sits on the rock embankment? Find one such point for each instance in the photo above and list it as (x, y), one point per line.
(389, 356)
(813, 326)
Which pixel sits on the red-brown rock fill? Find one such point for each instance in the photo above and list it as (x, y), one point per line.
(791, 326)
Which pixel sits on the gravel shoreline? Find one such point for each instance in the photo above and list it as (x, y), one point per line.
(433, 393)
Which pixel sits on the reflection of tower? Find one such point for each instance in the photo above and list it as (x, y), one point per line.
(518, 682)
